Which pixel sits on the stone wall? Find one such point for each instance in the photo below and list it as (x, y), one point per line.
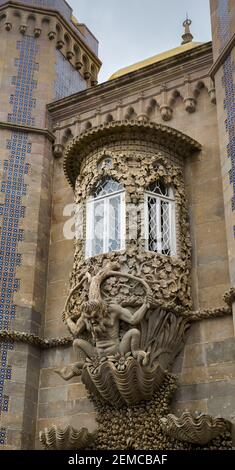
(206, 366)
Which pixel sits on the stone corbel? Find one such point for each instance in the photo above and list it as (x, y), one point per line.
(52, 32)
(60, 41)
(78, 60)
(23, 23)
(165, 110)
(58, 150)
(119, 110)
(211, 92)
(37, 30)
(8, 22)
(189, 100)
(87, 75)
(78, 64)
(98, 116)
(94, 81)
(142, 116)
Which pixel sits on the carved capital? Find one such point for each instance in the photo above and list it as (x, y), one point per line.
(8, 26)
(70, 55)
(37, 32)
(78, 65)
(212, 95)
(190, 104)
(60, 44)
(166, 112)
(87, 75)
(51, 35)
(58, 150)
(23, 28)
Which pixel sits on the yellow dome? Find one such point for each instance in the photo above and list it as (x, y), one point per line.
(154, 59)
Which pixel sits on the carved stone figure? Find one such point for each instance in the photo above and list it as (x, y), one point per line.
(103, 321)
(122, 366)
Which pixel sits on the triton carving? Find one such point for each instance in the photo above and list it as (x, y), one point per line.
(122, 367)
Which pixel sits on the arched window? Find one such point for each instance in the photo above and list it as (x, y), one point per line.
(105, 225)
(160, 219)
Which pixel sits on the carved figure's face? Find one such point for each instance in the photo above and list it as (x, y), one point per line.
(94, 313)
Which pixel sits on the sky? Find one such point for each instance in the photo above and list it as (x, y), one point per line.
(132, 30)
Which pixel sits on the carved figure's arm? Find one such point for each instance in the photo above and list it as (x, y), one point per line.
(75, 327)
(126, 315)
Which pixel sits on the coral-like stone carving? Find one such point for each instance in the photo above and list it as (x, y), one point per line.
(69, 438)
(123, 367)
(194, 429)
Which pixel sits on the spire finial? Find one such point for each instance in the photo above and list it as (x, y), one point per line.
(187, 36)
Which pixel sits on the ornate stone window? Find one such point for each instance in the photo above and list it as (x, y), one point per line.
(160, 219)
(105, 224)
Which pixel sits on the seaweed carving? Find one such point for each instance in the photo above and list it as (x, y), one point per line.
(69, 438)
(194, 429)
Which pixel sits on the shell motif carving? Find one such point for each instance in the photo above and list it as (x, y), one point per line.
(69, 438)
(122, 380)
(194, 429)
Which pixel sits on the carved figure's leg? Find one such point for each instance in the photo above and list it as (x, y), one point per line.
(68, 372)
(85, 347)
(131, 343)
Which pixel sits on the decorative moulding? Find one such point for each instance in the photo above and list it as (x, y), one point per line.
(168, 137)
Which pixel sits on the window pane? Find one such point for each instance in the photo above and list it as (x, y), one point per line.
(98, 228)
(165, 228)
(114, 224)
(153, 224)
(158, 188)
(107, 186)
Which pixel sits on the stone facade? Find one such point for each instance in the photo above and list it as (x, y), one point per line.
(123, 119)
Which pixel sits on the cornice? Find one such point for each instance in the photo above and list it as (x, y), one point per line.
(169, 138)
(28, 129)
(59, 16)
(222, 57)
(197, 59)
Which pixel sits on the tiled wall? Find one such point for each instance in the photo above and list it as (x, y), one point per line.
(224, 32)
(68, 80)
(59, 5)
(224, 16)
(13, 189)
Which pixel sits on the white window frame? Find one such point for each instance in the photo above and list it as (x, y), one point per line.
(90, 214)
(172, 220)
